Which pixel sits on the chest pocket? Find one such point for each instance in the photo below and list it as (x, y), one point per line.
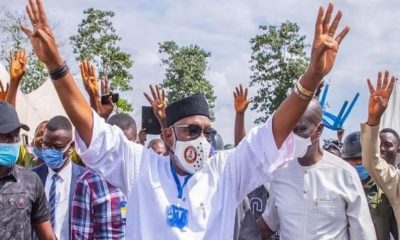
(15, 212)
(327, 207)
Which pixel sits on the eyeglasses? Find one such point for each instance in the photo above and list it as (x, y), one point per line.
(56, 147)
(193, 131)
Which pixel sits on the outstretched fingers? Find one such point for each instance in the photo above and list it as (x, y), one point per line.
(153, 91)
(335, 23)
(370, 87)
(327, 18)
(41, 13)
(148, 98)
(379, 81)
(385, 80)
(342, 34)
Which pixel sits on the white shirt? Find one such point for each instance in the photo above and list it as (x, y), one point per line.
(322, 201)
(212, 194)
(63, 186)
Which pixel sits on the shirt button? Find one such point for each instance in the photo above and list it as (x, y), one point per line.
(304, 191)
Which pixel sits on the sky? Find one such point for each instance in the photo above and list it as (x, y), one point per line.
(224, 27)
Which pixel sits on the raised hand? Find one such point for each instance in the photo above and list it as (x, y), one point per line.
(240, 99)
(41, 37)
(158, 102)
(17, 66)
(3, 92)
(325, 45)
(379, 97)
(88, 74)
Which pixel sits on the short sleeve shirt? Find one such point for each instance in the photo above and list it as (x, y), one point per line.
(22, 203)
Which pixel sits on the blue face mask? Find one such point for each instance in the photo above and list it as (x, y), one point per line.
(362, 172)
(9, 153)
(53, 158)
(38, 152)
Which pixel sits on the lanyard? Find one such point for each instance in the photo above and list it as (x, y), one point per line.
(178, 183)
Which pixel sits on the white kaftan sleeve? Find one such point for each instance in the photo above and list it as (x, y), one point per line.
(253, 161)
(111, 154)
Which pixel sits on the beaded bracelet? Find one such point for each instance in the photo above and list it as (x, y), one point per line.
(59, 72)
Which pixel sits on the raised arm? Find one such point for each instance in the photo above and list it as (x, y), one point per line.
(384, 174)
(323, 55)
(88, 73)
(158, 103)
(241, 103)
(45, 47)
(17, 72)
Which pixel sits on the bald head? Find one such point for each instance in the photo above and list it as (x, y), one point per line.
(313, 112)
(311, 119)
(157, 145)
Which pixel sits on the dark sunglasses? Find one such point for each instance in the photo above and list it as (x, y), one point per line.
(194, 131)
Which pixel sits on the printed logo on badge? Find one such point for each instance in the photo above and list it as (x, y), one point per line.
(190, 154)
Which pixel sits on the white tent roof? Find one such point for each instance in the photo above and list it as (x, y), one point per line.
(37, 106)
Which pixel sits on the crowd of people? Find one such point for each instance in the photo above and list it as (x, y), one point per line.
(278, 181)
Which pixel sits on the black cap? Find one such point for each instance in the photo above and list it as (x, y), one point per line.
(352, 146)
(190, 106)
(9, 120)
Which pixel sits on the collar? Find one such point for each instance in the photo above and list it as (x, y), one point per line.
(64, 173)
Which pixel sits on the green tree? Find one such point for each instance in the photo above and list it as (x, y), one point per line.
(185, 72)
(12, 39)
(278, 59)
(97, 41)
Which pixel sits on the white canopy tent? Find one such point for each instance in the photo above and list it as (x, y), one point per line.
(37, 106)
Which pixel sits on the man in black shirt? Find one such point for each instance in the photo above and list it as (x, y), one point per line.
(23, 203)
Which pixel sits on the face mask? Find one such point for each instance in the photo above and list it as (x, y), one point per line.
(192, 154)
(9, 153)
(300, 146)
(362, 172)
(38, 152)
(53, 158)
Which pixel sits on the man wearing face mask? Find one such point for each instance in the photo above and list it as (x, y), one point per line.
(378, 203)
(23, 203)
(315, 194)
(184, 195)
(58, 173)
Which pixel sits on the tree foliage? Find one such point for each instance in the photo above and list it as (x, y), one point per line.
(278, 59)
(12, 39)
(185, 72)
(97, 41)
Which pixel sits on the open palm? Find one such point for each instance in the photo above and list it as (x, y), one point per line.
(17, 65)
(325, 45)
(240, 99)
(380, 96)
(158, 102)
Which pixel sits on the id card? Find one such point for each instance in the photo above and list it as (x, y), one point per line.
(123, 209)
(177, 216)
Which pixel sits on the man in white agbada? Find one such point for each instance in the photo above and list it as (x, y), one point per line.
(316, 195)
(204, 207)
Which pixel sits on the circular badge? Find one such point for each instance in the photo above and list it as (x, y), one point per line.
(190, 154)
